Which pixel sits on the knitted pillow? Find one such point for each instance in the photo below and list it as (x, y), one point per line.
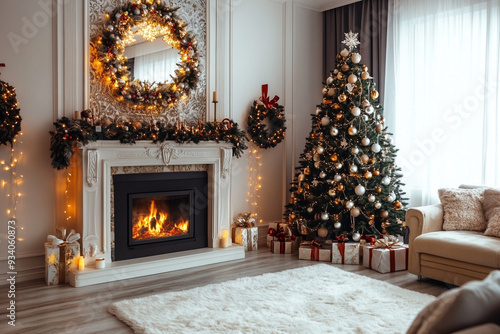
(463, 209)
(491, 207)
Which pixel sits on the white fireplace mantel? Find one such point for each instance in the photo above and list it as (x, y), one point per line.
(96, 161)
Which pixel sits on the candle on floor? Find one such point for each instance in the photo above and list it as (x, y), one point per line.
(224, 239)
(99, 263)
(81, 263)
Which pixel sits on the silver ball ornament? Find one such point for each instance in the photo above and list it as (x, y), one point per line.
(359, 190)
(355, 212)
(376, 148)
(337, 177)
(355, 150)
(377, 205)
(371, 198)
(365, 141)
(325, 121)
(325, 216)
(337, 225)
(355, 111)
(353, 168)
(334, 131)
(386, 180)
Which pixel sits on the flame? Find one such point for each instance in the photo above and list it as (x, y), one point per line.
(157, 225)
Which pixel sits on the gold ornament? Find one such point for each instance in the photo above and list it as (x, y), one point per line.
(365, 68)
(307, 171)
(340, 187)
(378, 190)
(376, 172)
(374, 94)
(336, 106)
(339, 116)
(371, 222)
(384, 214)
(385, 224)
(397, 205)
(300, 191)
(291, 216)
(372, 217)
(368, 175)
(342, 97)
(334, 157)
(335, 217)
(345, 68)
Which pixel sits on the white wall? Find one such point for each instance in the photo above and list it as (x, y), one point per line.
(273, 42)
(29, 69)
(277, 43)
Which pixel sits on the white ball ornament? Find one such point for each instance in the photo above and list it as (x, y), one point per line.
(355, 111)
(344, 53)
(379, 127)
(322, 175)
(389, 198)
(352, 130)
(331, 192)
(365, 103)
(320, 149)
(310, 209)
(365, 118)
(337, 225)
(376, 148)
(365, 141)
(334, 131)
(325, 216)
(355, 212)
(353, 168)
(365, 158)
(369, 110)
(318, 111)
(356, 236)
(359, 190)
(352, 79)
(331, 91)
(324, 90)
(329, 81)
(337, 178)
(325, 121)
(386, 180)
(371, 198)
(355, 150)
(338, 165)
(355, 58)
(322, 232)
(349, 204)
(377, 205)
(365, 75)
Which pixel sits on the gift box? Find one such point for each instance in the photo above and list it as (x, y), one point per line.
(307, 251)
(277, 226)
(386, 259)
(52, 257)
(60, 256)
(247, 237)
(284, 247)
(345, 252)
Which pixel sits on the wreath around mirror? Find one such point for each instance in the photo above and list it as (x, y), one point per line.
(150, 20)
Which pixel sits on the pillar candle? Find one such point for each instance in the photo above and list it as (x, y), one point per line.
(99, 263)
(81, 263)
(224, 239)
(214, 96)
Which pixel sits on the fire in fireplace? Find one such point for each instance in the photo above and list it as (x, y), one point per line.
(158, 213)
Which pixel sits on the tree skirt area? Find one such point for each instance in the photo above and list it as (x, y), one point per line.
(313, 299)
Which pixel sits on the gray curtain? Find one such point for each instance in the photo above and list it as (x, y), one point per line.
(369, 19)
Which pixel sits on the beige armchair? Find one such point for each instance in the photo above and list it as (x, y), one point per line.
(454, 257)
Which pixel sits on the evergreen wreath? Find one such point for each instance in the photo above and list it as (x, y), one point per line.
(110, 63)
(261, 109)
(69, 133)
(10, 120)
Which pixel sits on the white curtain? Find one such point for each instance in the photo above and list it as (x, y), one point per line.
(442, 93)
(156, 67)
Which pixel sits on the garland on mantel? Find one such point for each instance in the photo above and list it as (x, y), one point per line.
(69, 133)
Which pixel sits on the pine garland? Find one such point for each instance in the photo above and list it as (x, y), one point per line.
(10, 120)
(69, 133)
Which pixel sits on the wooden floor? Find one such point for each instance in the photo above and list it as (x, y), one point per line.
(64, 309)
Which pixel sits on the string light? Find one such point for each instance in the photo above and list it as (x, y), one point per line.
(14, 179)
(254, 182)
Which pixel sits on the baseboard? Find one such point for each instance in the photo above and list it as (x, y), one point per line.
(27, 269)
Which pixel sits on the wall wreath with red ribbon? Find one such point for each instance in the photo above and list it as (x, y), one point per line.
(266, 136)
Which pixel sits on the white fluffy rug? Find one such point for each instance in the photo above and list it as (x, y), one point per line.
(313, 299)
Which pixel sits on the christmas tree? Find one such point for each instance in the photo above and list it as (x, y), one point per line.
(348, 183)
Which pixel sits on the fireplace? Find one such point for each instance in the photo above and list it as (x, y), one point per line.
(100, 164)
(159, 213)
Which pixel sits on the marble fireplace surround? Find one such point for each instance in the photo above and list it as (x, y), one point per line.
(98, 161)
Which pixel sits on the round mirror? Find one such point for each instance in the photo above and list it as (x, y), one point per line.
(146, 56)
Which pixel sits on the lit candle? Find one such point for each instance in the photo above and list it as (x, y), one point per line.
(81, 263)
(224, 239)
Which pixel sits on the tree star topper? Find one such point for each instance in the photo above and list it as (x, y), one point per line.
(351, 40)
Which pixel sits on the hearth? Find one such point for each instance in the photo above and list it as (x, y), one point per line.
(159, 213)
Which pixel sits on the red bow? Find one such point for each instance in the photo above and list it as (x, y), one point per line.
(265, 98)
(342, 238)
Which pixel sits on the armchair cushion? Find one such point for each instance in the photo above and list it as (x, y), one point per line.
(491, 206)
(463, 209)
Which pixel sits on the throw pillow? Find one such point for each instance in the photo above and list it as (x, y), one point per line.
(463, 209)
(491, 206)
(473, 304)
